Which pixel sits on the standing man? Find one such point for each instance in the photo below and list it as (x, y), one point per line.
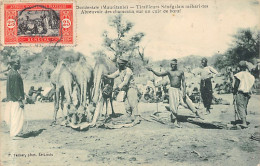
(127, 84)
(244, 81)
(177, 83)
(205, 84)
(14, 113)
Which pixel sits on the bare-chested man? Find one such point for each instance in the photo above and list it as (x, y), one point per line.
(177, 83)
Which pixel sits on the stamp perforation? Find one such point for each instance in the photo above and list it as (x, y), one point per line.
(66, 17)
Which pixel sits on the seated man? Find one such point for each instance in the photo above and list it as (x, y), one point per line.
(151, 94)
(146, 94)
(29, 97)
(38, 94)
(166, 95)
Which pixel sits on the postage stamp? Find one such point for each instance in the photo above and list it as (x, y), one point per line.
(38, 23)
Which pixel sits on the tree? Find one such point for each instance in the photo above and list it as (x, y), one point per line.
(99, 53)
(7, 53)
(122, 43)
(245, 46)
(52, 54)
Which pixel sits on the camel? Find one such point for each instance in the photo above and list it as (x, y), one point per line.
(62, 82)
(83, 73)
(103, 66)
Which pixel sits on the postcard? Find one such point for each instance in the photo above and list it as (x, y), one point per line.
(132, 82)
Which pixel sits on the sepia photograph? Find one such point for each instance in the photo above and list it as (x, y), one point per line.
(38, 23)
(115, 82)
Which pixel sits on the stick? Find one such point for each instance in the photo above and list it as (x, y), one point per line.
(156, 119)
(145, 119)
(118, 126)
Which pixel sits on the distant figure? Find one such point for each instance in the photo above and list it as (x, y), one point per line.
(147, 93)
(48, 95)
(159, 94)
(14, 112)
(151, 94)
(205, 84)
(244, 81)
(38, 94)
(165, 94)
(29, 97)
(177, 91)
(189, 74)
(195, 95)
(31, 91)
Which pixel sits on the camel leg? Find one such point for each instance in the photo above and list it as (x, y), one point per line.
(98, 111)
(56, 105)
(84, 94)
(89, 93)
(62, 98)
(106, 108)
(78, 95)
(81, 93)
(68, 94)
(112, 108)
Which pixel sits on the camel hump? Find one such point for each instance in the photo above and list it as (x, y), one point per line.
(83, 72)
(60, 70)
(83, 67)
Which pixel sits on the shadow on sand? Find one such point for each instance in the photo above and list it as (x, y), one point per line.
(202, 123)
(238, 122)
(208, 125)
(32, 133)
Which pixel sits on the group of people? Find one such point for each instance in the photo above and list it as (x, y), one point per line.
(39, 25)
(161, 94)
(176, 93)
(33, 94)
(243, 83)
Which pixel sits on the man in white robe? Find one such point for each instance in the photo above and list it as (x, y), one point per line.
(14, 113)
(244, 81)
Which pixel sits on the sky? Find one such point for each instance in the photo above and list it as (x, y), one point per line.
(202, 32)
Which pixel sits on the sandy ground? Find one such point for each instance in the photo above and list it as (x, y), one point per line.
(148, 143)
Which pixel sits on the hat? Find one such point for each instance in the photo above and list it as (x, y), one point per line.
(122, 60)
(174, 61)
(242, 64)
(204, 59)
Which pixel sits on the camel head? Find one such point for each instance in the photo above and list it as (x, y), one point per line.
(71, 109)
(81, 113)
(61, 63)
(90, 111)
